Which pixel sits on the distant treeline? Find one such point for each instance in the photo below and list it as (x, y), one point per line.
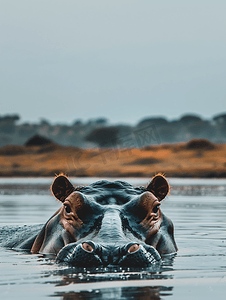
(99, 133)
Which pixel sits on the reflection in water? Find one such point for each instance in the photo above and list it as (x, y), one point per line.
(72, 275)
(95, 277)
(127, 293)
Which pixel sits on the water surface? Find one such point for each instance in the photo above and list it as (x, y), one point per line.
(198, 211)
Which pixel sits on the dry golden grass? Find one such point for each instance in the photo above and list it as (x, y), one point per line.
(174, 160)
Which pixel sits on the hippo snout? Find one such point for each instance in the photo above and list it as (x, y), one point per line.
(90, 254)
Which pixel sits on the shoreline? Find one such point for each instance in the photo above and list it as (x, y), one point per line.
(195, 159)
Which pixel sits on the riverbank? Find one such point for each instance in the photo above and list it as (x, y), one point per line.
(196, 159)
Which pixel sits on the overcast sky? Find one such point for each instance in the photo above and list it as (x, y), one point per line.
(121, 59)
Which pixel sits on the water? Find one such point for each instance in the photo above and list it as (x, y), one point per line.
(198, 210)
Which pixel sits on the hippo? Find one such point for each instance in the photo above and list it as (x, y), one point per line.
(104, 224)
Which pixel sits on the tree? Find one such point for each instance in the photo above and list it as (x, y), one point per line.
(9, 118)
(101, 121)
(104, 137)
(38, 140)
(157, 121)
(7, 123)
(220, 119)
(187, 119)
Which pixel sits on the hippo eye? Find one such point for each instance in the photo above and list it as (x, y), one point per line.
(67, 208)
(134, 248)
(155, 209)
(87, 247)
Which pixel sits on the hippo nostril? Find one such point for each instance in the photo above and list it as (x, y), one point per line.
(134, 248)
(87, 247)
(139, 256)
(81, 255)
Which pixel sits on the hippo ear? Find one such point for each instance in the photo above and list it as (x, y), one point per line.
(159, 187)
(62, 188)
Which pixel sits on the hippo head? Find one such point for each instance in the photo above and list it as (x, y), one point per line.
(108, 223)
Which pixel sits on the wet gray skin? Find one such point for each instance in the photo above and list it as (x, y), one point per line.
(110, 247)
(103, 224)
